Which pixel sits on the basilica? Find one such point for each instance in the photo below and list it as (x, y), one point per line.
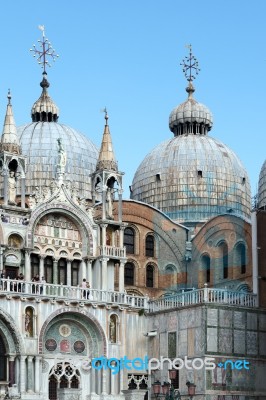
(90, 279)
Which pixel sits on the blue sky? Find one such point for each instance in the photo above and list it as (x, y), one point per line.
(125, 55)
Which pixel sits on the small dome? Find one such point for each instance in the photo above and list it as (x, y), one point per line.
(190, 117)
(262, 187)
(193, 178)
(39, 143)
(44, 109)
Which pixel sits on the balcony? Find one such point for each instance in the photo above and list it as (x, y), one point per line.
(204, 296)
(112, 252)
(71, 294)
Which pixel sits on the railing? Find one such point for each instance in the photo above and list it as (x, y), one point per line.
(71, 293)
(205, 295)
(112, 251)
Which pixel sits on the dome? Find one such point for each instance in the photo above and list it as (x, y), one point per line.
(262, 187)
(39, 143)
(192, 178)
(193, 113)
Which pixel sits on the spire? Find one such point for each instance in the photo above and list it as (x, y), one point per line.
(44, 109)
(9, 139)
(106, 158)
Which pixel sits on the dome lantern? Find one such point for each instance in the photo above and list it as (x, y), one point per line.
(190, 117)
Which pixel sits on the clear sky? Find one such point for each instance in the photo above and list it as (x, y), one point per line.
(126, 55)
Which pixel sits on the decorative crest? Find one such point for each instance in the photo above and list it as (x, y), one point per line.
(190, 65)
(45, 52)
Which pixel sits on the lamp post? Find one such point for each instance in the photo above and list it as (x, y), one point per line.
(166, 391)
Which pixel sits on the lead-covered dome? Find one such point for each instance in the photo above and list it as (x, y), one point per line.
(262, 187)
(192, 177)
(39, 142)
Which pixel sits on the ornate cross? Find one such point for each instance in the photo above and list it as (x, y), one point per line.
(45, 52)
(190, 65)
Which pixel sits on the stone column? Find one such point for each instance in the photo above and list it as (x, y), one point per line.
(41, 269)
(113, 380)
(121, 236)
(93, 381)
(134, 394)
(89, 272)
(27, 266)
(5, 173)
(68, 272)
(37, 374)
(30, 374)
(83, 271)
(104, 273)
(103, 227)
(22, 373)
(11, 368)
(104, 381)
(120, 205)
(55, 270)
(121, 286)
(104, 202)
(22, 183)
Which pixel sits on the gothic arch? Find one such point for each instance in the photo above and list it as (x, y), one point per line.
(67, 210)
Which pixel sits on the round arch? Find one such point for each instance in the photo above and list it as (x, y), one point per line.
(76, 215)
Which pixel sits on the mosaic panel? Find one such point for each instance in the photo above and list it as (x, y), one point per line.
(212, 317)
(239, 342)
(212, 340)
(225, 340)
(183, 320)
(183, 343)
(252, 343)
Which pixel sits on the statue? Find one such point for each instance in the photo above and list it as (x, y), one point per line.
(61, 156)
(112, 329)
(12, 188)
(28, 322)
(109, 203)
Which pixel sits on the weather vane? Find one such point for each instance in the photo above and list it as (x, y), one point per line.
(190, 65)
(45, 52)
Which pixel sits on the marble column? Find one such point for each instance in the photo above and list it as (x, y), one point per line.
(22, 374)
(93, 381)
(121, 287)
(120, 205)
(37, 374)
(5, 173)
(55, 271)
(22, 183)
(104, 273)
(11, 367)
(30, 374)
(104, 202)
(1, 259)
(83, 269)
(113, 381)
(27, 266)
(41, 269)
(89, 272)
(121, 236)
(104, 381)
(69, 272)
(103, 227)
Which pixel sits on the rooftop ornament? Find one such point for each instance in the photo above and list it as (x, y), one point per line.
(191, 69)
(46, 51)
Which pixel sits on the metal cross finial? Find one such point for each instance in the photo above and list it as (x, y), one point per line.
(106, 115)
(45, 52)
(190, 65)
(9, 96)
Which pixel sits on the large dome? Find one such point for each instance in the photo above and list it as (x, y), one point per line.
(262, 187)
(193, 178)
(39, 143)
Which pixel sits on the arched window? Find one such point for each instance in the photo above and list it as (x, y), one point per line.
(149, 246)
(225, 260)
(3, 360)
(129, 274)
(241, 257)
(48, 269)
(75, 272)
(62, 271)
(129, 240)
(149, 276)
(206, 267)
(34, 263)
